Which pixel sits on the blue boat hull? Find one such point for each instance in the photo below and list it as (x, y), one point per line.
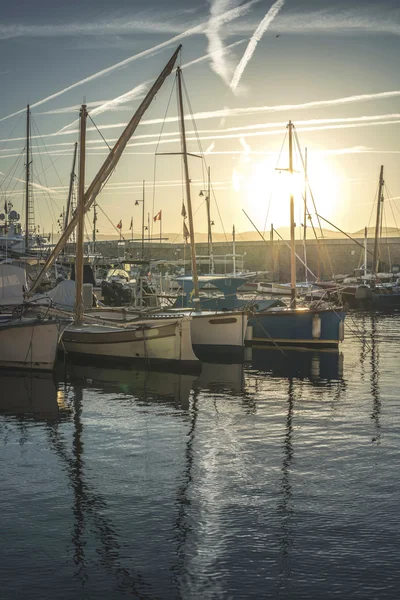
(311, 328)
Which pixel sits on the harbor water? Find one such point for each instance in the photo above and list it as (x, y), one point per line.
(276, 478)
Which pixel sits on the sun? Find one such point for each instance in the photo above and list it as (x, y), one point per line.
(267, 189)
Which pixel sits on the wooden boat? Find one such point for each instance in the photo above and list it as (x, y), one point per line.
(314, 326)
(27, 343)
(155, 343)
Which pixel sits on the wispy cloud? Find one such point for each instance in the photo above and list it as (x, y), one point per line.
(214, 32)
(136, 92)
(332, 20)
(197, 29)
(256, 37)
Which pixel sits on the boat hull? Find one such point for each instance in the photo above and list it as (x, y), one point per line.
(298, 328)
(156, 344)
(28, 344)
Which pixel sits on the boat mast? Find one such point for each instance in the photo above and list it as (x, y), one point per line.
(71, 187)
(234, 250)
(196, 299)
(78, 316)
(208, 201)
(143, 192)
(108, 166)
(27, 176)
(365, 250)
(292, 231)
(94, 225)
(305, 215)
(378, 223)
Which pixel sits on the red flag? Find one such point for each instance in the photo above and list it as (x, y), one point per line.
(119, 226)
(158, 216)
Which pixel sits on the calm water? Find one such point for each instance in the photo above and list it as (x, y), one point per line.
(276, 479)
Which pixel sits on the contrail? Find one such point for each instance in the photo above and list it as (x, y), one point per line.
(197, 29)
(112, 104)
(259, 32)
(215, 40)
(136, 91)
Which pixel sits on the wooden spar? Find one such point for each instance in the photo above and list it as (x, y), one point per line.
(108, 166)
(208, 202)
(79, 308)
(305, 214)
(292, 231)
(378, 223)
(196, 299)
(71, 187)
(27, 177)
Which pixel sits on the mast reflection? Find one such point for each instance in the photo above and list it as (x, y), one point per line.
(285, 505)
(375, 388)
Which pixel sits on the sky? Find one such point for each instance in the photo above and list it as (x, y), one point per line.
(248, 67)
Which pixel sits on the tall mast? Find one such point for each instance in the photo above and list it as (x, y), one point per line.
(208, 201)
(234, 250)
(365, 250)
(71, 187)
(196, 299)
(378, 222)
(94, 225)
(78, 317)
(305, 215)
(108, 166)
(292, 231)
(27, 176)
(143, 193)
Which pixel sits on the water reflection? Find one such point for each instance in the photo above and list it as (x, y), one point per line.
(317, 366)
(30, 395)
(375, 389)
(148, 386)
(285, 505)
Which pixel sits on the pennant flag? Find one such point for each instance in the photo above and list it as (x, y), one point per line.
(183, 212)
(119, 226)
(131, 225)
(186, 233)
(158, 216)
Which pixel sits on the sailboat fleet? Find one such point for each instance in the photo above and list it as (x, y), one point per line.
(209, 314)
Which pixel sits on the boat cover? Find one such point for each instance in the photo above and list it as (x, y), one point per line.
(12, 284)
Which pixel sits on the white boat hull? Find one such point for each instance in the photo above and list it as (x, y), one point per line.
(28, 344)
(155, 342)
(219, 330)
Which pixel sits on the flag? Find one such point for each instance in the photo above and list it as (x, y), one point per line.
(186, 233)
(119, 226)
(183, 212)
(131, 225)
(5, 207)
(158, 216)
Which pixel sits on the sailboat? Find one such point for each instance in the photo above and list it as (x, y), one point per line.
(153, 343)
(307, 327)
(25, 342)
(212, 330)
(374, 290)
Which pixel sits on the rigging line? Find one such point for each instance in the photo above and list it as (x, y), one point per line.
(11, 171)
(36, 130)
(270, 195)
(391, 208)
(99, 132)
(45, 191)
(203, 162)
(11, 175)
(155, 153)
(203, 158)
(22, 115)
(373, 204)
(321, 254)
(111, 223)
